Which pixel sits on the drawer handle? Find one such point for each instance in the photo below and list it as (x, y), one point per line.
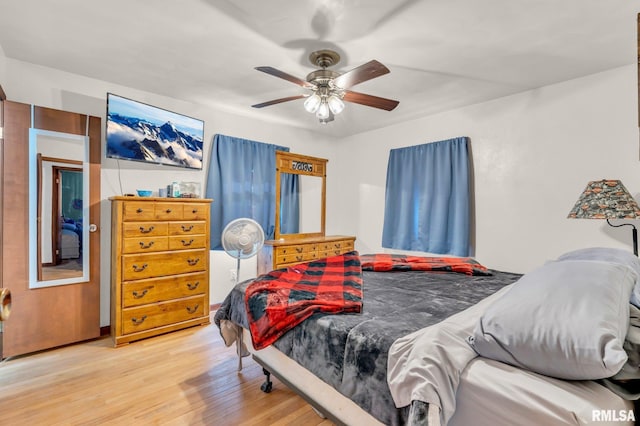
(194, 211)
(299, 249)
(167, 211)
(147, 230)
(140, 295)
(145, 246)
(193, 310)
(337, 245)
(193, 262)
(139, 210)
(299, 258)
(187, 228)
(193, 286)
(137, 268)
(138, 321)
(187, 243)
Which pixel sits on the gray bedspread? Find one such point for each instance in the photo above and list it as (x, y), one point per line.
(349, 351)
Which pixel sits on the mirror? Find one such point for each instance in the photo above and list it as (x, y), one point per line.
(300, 195)
(58, 208)
(300, 204)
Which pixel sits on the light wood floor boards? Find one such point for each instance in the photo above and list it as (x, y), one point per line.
(184, 378)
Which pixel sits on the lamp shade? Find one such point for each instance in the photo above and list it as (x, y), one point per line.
(323, 111)
(312, 103)
(335, 104)
(605, 199)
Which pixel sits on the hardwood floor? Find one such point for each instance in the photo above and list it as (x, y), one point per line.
(183, 378)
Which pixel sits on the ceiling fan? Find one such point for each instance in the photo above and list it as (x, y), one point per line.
(329, 88)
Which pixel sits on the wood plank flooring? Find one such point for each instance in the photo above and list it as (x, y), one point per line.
(183, 378)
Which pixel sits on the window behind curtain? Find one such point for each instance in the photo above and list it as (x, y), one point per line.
(241, 181)
(427, 201)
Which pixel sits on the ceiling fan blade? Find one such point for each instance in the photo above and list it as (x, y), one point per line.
(371, 69)
(370, 100)
(281, 74)
(278, 101)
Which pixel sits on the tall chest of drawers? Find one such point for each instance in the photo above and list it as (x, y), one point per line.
(159, 266)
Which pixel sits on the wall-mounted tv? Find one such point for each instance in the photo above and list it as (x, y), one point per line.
(141, 132)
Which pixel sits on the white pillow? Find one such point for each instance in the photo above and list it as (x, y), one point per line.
(567, 319)
(614, 255)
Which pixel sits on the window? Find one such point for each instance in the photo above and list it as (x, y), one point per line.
(241, 181)
(427, 198)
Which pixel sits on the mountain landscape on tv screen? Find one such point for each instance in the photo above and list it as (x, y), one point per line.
(137, 139)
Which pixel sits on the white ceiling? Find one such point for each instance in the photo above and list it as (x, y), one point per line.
(442, 54)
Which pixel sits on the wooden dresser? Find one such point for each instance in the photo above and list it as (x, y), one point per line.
(276, 254)
(159, 266)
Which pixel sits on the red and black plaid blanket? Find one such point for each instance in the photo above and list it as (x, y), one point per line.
(397, 262)
(278, 301)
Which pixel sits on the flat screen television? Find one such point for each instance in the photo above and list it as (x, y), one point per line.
(140, 132)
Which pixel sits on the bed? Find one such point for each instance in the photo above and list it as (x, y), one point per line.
(352, 367)
(70, 238)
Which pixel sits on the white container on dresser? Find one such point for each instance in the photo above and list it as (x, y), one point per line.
(159, 266)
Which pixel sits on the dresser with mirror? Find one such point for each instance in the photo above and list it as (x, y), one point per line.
(299, 234)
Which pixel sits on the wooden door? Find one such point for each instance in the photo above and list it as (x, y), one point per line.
(47, 317)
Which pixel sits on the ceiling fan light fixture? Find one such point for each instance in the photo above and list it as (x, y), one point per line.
(335, 104)
(330, 89)
(323, 111)
(312, 103)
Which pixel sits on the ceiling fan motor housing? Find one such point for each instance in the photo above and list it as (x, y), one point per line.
(322, 77)
(324, 58)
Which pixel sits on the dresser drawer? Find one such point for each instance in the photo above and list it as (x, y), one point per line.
(292, 250)
(187, 228)
(329, 253)
(139, 266)
(160, 314)
(145, 244)
(195, 211)
(290, 258)
(181, 242)
(144, 229)
(333, 246)
(142, 292)
(139, 210)
(168, 211)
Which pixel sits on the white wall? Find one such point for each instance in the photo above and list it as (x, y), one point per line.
(533, 154)
(32, 84)
(3, 66)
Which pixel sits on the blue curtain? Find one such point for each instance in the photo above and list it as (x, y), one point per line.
(241, 180)
(289, 204)
(427, 201)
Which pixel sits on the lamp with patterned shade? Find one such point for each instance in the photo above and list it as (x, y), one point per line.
(607, 199)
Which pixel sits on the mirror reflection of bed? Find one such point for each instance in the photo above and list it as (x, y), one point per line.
(60, 213)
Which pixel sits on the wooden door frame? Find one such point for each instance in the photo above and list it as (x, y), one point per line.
(56, 183)
(3, 97)
(40, 318)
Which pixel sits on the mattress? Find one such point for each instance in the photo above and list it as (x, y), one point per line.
(347, 355)
(69, 245)
(492, 393)
(349, 351)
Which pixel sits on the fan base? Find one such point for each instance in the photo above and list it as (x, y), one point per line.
(324, 58)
